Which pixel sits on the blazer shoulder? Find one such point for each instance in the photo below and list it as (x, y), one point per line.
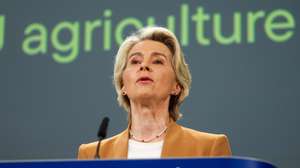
(88, 150)
(219, 143)
(194, 134)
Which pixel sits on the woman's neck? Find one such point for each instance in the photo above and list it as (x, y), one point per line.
(149, 120)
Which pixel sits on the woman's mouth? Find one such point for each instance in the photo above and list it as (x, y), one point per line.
(144, 80)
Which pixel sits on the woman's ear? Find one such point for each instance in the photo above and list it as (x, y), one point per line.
(123, 91)
(177, 89)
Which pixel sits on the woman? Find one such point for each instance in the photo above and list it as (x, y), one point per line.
(152, 80)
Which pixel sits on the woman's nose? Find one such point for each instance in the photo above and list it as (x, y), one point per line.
(145, 67)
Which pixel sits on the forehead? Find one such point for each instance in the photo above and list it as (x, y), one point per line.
(149, 46)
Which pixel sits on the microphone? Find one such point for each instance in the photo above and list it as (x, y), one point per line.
(101, 134)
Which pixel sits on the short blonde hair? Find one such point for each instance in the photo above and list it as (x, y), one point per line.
(179, 65)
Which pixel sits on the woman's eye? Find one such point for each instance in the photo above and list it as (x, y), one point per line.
(134, 61)
(157, 62)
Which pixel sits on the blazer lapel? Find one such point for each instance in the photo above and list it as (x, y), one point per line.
(121, 145)
(171, 139)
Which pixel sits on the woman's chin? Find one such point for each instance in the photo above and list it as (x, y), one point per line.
(144, 95)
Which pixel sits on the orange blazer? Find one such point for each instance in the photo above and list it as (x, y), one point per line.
(178, 142)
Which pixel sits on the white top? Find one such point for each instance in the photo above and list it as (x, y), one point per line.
(141, 150)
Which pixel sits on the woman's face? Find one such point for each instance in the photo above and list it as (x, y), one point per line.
(149, 72)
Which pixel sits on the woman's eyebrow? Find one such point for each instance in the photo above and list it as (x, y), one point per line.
(159, 54)
(155, 53)
(135, 54)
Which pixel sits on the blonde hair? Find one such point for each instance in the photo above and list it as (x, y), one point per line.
(179, 65)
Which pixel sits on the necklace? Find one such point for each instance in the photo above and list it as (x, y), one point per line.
(149, 139)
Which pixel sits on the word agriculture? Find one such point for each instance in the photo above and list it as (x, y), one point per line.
(277, 25)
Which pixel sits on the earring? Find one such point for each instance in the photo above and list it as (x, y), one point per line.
(124, 93)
